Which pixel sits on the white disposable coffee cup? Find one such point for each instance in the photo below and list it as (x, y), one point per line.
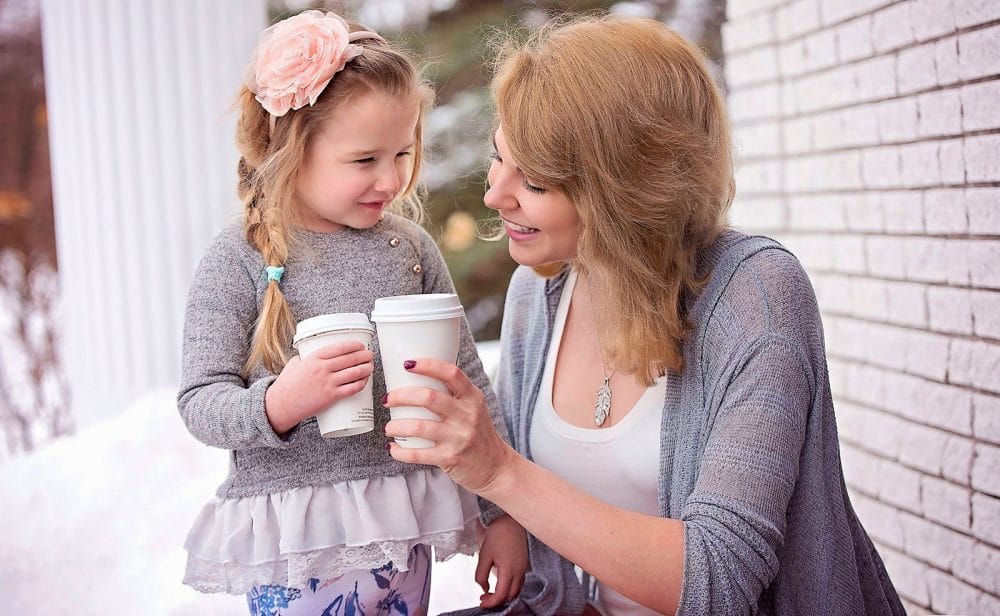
(354, 414)
(412, 326)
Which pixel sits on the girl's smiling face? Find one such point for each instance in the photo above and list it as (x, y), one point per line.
(357, 163)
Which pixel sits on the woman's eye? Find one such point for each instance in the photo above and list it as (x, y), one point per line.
(495, 157)
(535, 189)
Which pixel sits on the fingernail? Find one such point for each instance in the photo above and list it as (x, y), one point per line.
(409, 364)
(385, 398)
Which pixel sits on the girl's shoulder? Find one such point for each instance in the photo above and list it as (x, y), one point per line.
(230, 250)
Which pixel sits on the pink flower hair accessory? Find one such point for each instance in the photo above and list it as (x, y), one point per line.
(297, 57)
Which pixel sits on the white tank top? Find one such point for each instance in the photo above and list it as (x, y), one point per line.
(619, 464)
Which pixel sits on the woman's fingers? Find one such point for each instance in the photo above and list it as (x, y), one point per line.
(441, 403)
(446, 372)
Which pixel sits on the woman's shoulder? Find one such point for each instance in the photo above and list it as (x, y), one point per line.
(758, 285)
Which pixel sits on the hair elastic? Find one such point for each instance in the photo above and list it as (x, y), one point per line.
(274, 273)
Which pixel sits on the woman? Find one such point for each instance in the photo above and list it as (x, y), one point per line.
(703, 476)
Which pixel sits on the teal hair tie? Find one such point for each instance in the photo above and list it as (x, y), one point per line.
(274, 273)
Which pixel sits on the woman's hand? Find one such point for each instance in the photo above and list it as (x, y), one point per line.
(468, 447)
(307, 386)
(505, 547)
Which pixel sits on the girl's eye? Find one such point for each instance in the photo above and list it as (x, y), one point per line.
(404, 154)
(365, 161)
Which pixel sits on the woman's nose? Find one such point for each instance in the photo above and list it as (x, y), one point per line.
(497, 196)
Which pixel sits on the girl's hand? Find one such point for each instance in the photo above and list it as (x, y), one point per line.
(505, 547)
(468, 447)
(307, 386)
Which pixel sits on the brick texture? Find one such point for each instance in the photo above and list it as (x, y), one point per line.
(869, 138)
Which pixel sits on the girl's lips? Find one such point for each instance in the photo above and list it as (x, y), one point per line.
(373, 205)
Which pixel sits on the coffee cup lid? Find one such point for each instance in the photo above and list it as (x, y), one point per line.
(331, 322)
(426, 307)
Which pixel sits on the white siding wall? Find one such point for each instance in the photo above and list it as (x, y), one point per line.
(870, 135)
(143, 167)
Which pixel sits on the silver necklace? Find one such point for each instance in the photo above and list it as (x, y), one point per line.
(602, 402)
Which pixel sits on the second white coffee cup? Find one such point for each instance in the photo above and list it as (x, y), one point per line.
(354, 414)
(413, 326)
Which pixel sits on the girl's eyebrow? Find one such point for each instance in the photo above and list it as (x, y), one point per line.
(370, 152)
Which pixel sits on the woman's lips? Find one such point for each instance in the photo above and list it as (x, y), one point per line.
(519, 232)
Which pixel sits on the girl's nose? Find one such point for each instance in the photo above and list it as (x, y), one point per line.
(389, 180)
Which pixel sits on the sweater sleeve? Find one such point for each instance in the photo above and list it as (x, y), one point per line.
(215, 402)
(734, 520)
(438, 280)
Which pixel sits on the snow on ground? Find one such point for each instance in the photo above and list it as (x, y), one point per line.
(95, 523)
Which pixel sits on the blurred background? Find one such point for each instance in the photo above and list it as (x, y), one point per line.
(869, 138)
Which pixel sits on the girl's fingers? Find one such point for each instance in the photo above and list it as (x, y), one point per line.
(339, 348)
(503, 587)
(515, 588)
(354, 373)
(483, 572)
(349, 389)
(346, 360)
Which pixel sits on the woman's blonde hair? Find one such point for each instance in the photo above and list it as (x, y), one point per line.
(269, 164)
(623, 116)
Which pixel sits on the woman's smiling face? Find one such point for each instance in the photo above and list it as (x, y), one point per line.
(542, 224)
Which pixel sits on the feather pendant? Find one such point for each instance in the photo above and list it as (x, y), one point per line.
(602, 404)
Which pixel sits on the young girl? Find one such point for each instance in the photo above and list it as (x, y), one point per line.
(330, 132)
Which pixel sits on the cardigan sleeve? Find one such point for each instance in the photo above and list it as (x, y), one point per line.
(734, 520)
(217, 405)
(438, 280)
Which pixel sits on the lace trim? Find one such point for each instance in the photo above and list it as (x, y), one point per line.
(296, 569)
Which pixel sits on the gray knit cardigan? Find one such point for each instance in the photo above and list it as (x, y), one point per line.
(749, 457)
(344, 271)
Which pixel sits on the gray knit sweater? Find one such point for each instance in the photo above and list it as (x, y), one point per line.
(749, 458)
(326, 273)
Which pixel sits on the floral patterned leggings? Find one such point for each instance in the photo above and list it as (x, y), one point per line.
(376, 592)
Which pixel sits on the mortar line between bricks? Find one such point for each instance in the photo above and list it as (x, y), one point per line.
(869, 407)
(777, 43)
(912, 328)
(966, 388)
(860, 191)
(936, 568)
(985, 132)
(876, 277)
(861, 149)
(784, 81)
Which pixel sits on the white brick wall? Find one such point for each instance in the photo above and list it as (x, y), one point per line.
(869, 134)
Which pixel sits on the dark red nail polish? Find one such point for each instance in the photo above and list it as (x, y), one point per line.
(409, 364)
(385, 398)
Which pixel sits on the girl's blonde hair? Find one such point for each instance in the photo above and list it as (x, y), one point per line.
(623, 116)
(269, 164)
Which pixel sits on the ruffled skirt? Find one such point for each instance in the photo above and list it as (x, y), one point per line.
(322, 532)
